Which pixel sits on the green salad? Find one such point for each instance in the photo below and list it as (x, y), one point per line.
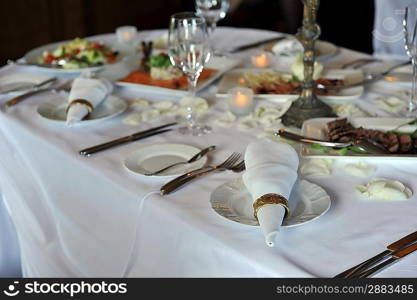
(79, 53)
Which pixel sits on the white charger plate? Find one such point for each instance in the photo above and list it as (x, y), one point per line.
(11, 81)
(32, 57)
(220, 63)
(236, 78)
(307, 202)
(155, 157)
(317, 127)
(55, 110)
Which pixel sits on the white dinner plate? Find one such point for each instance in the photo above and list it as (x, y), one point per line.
(236, 77)
(221, 64)
(155, 157)
(33, 56)
(13, 81)
(317, 127)
(55, 110)
(289, 48)
(307, 202)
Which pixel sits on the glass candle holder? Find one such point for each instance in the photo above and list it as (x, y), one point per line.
(261, 60)
(126, 34)
(240, 100)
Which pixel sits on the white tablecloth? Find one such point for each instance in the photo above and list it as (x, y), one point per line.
(78, 216)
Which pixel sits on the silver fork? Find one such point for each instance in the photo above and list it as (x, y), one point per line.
(183, 179)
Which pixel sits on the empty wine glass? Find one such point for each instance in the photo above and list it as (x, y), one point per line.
(410, 43)
(189, 50)
(212, 11)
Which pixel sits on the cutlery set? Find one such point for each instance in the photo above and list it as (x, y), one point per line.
(393, 254)
(231, 163)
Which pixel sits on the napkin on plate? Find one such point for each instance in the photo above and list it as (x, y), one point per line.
(85, 95)
(271, 168)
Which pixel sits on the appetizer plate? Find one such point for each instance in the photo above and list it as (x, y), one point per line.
(220, 63)
(307, 202)
(155, 157)
(13, 81)
(236, 77)
(291, 47)
(55, 110)
(316, 128)
(33, 56)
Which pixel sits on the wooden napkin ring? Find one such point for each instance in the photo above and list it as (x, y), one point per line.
(80, 101)
(270, 199)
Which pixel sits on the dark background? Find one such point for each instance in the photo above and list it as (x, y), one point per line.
(26, 24)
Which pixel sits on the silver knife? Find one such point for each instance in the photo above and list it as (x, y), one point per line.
(29, 86)
(396, 256)
(396, 246)
(256, 44)
(126, 139)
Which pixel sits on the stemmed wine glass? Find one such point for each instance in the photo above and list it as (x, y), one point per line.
(189, 50)
(410, 42)
(212, 11)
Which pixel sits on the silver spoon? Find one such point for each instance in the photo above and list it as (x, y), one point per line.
(192, 159)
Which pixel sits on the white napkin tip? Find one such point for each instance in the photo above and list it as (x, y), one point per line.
(270, 238)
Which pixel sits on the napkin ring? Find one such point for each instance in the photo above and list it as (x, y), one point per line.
(80, 101)
(270, 199)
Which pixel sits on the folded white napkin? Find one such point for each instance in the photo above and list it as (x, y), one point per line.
(92, 90)
(271, 167)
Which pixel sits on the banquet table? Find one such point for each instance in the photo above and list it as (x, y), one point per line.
(81, 216)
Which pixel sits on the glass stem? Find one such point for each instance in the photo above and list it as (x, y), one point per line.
(192, 86)
(413, 100)
(212, 27)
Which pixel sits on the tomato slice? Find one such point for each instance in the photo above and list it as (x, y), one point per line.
(49, 58)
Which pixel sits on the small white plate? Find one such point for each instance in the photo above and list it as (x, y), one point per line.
(290, 48)
(12, 81)
(317, 127)
(236, 78)
(55, 110)
(32, 57)
(155, 157)
(221, 64)
(307, 202)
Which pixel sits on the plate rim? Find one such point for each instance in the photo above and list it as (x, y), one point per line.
(240, 182)
(132, 154)
(110, 97)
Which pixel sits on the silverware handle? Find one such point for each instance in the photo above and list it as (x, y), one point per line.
(177, 182)
(363, 265)
(166, 168)
(377, 268)
(119, 141)
(241, 48)
(24, 96)
(302, 139)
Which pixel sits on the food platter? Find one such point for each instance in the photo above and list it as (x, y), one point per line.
(33, 58)
(218, 64)
(317, 128)
(238, 77)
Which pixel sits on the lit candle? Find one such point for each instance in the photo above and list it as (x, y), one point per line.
(126, 34)
(241, 101)
(261, 60)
